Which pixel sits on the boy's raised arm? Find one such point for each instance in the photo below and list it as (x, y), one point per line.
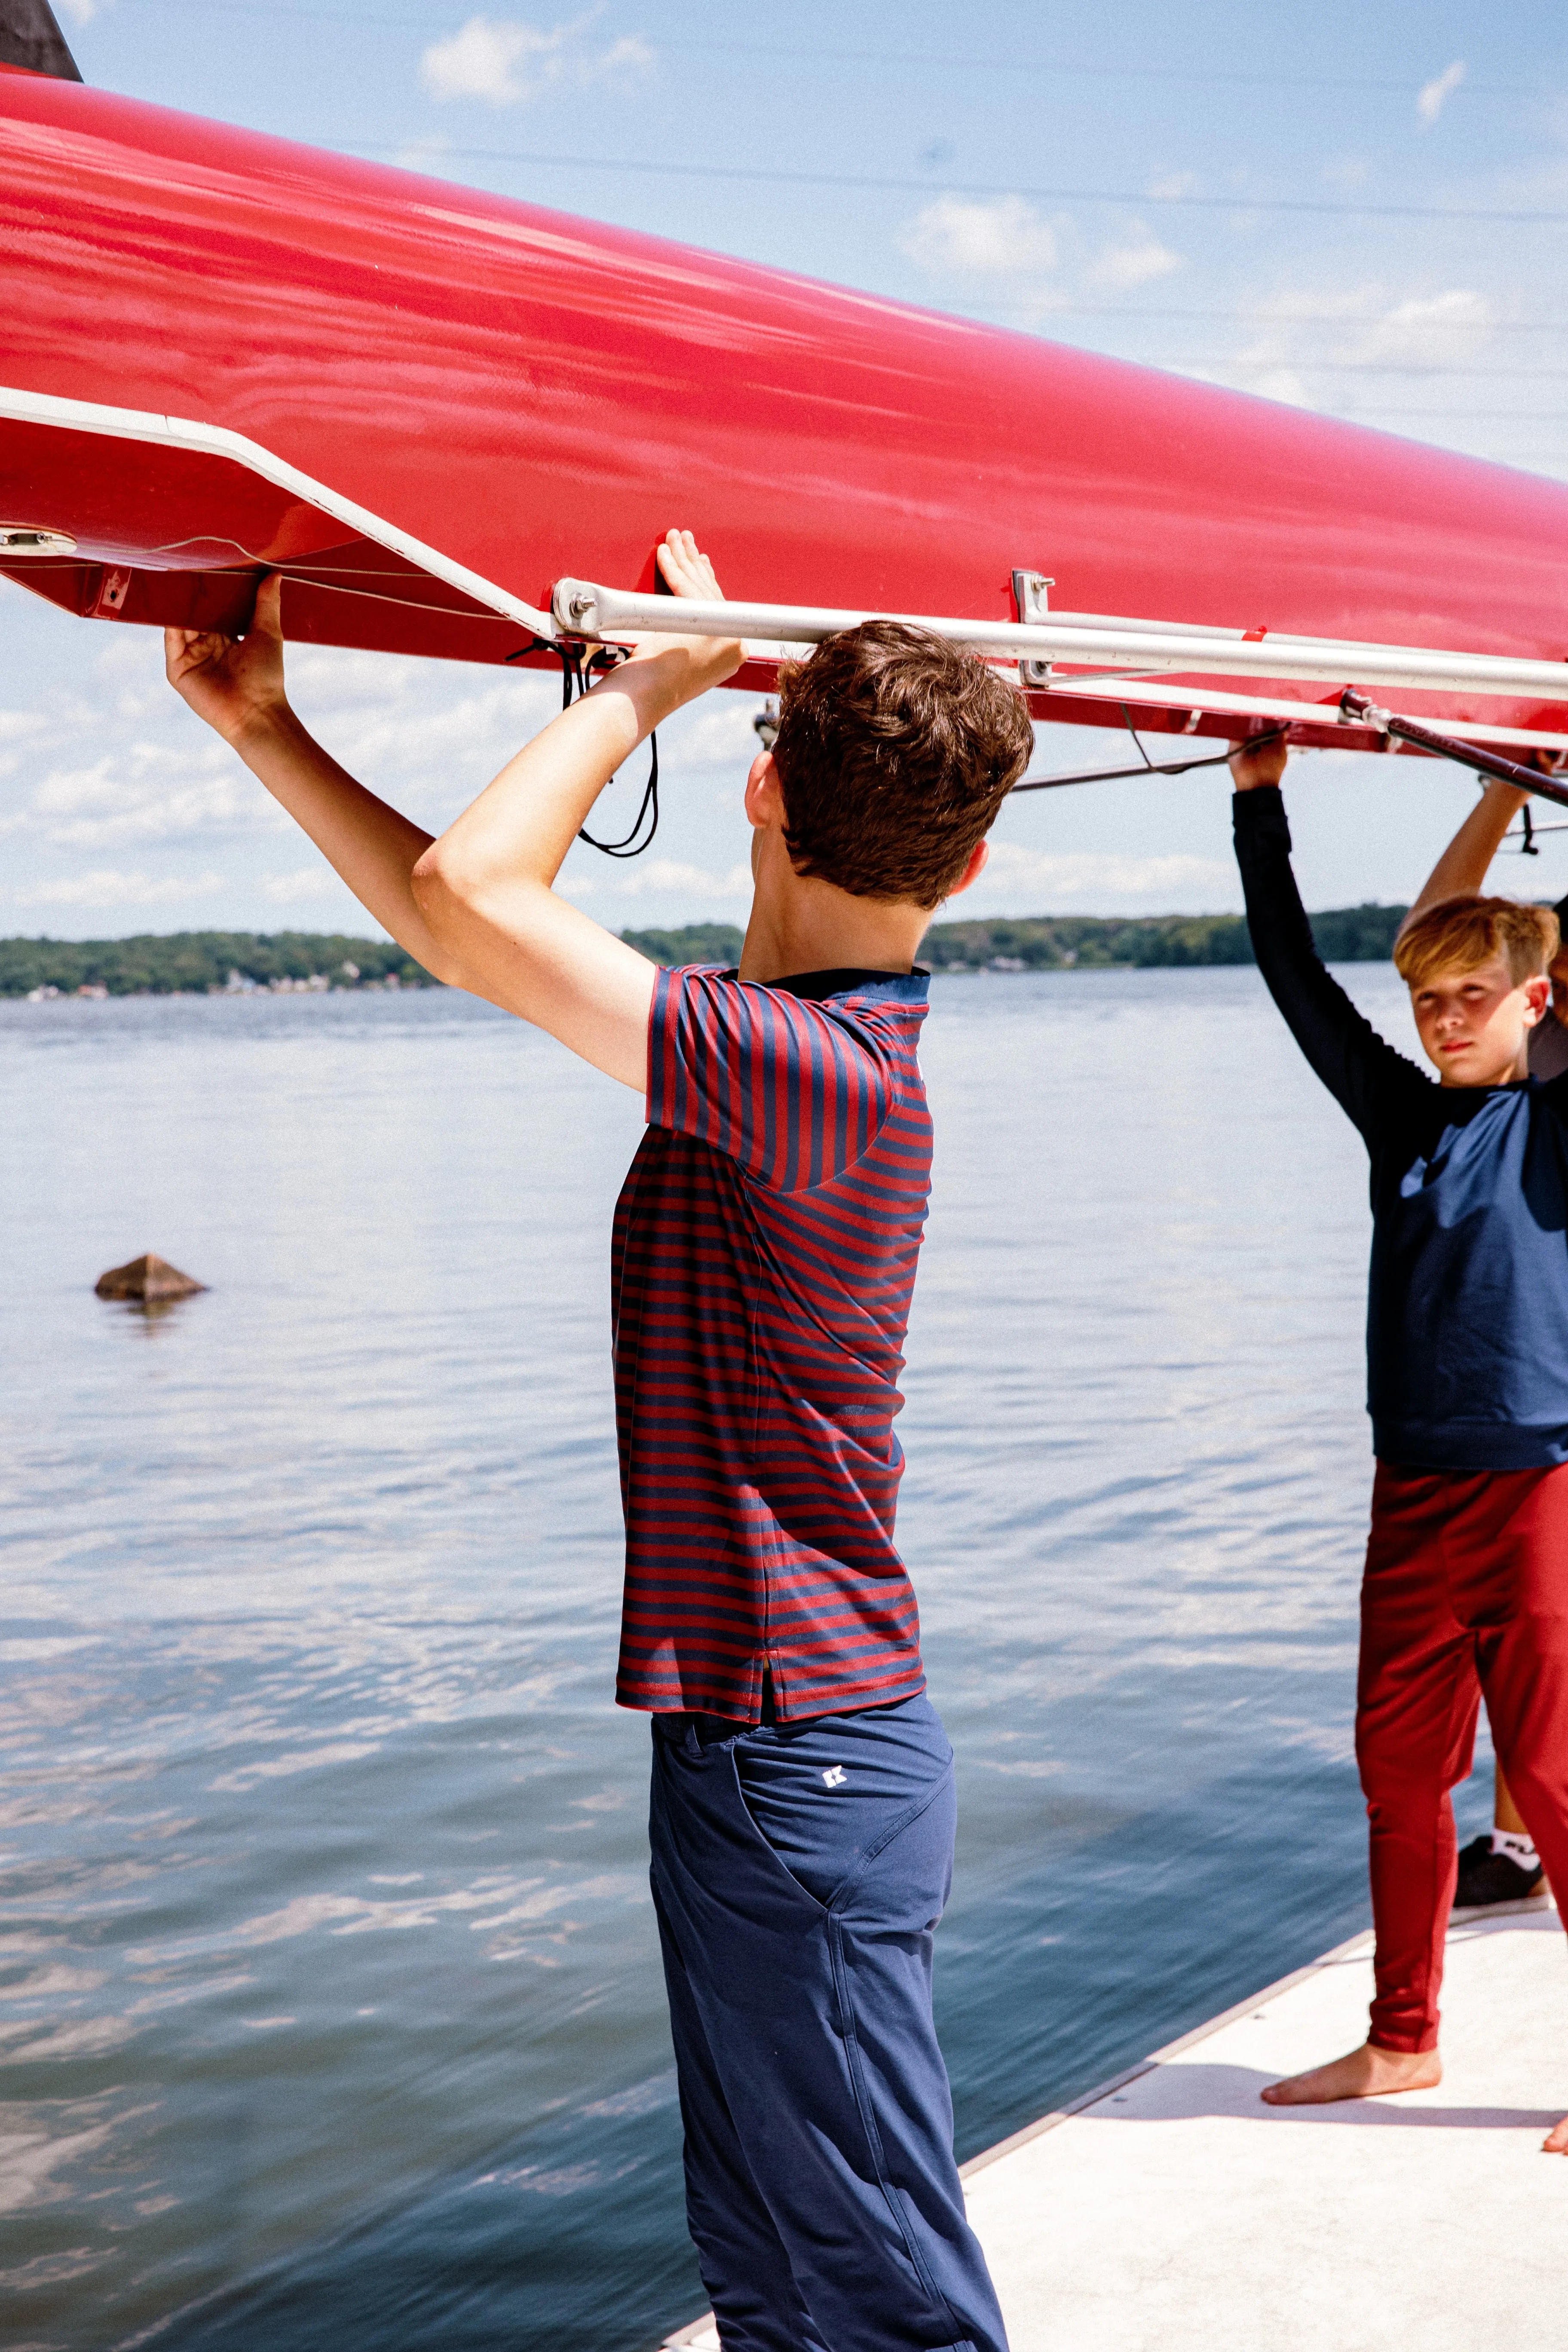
(476, 907)
(235, 684)
(1365, 1076)
(1461, 871)
(485, 888)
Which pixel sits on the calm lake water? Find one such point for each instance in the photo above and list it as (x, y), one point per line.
(329, 2006)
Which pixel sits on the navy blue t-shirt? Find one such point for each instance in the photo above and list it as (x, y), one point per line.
(1466, 1332)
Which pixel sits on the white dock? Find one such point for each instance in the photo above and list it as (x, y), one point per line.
(1172, 2211)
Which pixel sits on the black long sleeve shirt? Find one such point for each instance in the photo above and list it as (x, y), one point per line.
(1467, 1298)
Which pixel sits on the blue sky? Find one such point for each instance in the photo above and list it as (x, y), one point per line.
(1293, 201)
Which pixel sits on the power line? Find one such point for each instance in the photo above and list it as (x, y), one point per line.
(1291, 319)
(1012, 66)
(1333, 367)
(868, 183)
(1015, 68)
(1464, 416)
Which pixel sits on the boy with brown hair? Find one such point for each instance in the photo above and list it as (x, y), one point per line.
(1467, 1389)
(763, 1261)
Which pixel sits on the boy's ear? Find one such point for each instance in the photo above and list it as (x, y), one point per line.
(1537, 996)
(972, 870)
(764, 794)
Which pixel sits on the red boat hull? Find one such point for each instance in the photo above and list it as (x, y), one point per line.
(510, 395)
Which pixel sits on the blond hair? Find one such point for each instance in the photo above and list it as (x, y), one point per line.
(1462, 934)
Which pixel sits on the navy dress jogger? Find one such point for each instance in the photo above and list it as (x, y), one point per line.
(822, 2193)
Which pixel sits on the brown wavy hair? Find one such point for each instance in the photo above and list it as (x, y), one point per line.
(1462, 934)
(894, 752)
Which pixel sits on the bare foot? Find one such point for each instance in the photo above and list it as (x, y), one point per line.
(1556, 2142)
(1367, 2073)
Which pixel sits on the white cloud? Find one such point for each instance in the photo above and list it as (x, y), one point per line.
(1174, 183)
(132, 796)
(1134, 263)
(1095, 882)
(1431, 327)
(317, 881)
(1433, 95)
(1002, 239)
(80, 11)
(462, 739)
(1272, 382)
(1356, 328)
(698, 886)
(116, 886)
(507, 62)
(423, 154)
(721, 733)
(1003, 247)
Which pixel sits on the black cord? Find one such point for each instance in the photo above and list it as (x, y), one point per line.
(1127, 723)
(574, 684)
(1149, 768)
(631, 846)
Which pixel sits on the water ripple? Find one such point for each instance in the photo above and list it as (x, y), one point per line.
(329, 2007)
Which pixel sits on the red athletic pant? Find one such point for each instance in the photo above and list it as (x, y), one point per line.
(1465, 1592)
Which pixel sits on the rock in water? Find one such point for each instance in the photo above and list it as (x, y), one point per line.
(147, 1278)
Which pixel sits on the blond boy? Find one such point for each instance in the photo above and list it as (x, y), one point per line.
(1468, 1389)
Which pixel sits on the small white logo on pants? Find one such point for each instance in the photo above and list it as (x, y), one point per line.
(834, 1775)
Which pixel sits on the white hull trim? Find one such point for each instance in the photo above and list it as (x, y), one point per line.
(217, 441)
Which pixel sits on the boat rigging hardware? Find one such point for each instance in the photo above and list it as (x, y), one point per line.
(582, 608)
(1357, 711)
(576, 662)
(1031, 597)
(33, 539)
(1150, 767)
(1262, 706)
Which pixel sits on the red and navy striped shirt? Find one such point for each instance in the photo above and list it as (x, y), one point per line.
(765, 1245)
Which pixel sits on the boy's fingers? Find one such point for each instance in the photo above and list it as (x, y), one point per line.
(268, 615)
(680, 552)
(684, 568)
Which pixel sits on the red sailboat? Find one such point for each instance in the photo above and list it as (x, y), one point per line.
(459, 423)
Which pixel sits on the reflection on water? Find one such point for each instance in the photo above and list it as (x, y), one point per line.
(146, 1314)
(329, 1995)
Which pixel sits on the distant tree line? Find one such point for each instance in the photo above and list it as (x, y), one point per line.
(696, 943)
(201, 962)
(1087, 942)
(215, 962)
